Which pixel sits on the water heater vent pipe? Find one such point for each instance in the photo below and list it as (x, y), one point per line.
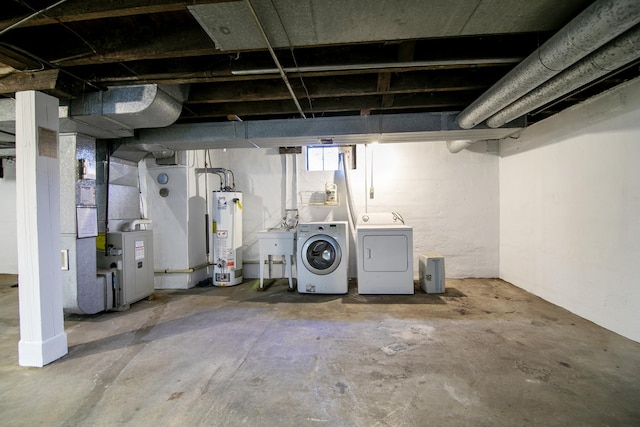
(228, 184)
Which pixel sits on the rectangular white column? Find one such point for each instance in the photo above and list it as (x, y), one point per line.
(42, 336)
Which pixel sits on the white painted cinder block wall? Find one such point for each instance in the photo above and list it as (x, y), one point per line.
(8, 220)
(451, 201)
(564, 211)
(570, 210)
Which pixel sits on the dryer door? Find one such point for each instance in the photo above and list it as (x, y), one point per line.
(321, 254)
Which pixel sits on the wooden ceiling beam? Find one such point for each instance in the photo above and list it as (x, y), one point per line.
(336, 87)
(53, 82)
(329, 105)
(158, 44)
(17, 60)
(220, 73)
(82, 10)
(406, 51)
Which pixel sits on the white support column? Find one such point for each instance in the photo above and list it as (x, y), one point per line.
(42, 336)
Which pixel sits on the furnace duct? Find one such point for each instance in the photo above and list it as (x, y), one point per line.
(608, 58)
(596, 26)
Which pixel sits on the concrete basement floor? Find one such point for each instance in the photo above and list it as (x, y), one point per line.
(484, 354)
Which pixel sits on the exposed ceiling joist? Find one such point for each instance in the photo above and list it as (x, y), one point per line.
(362, 57)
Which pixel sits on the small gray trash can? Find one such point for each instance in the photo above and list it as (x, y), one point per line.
(431, 270)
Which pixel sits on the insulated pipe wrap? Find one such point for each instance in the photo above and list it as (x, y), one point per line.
(610, 57)
(598, 24)
(458, 146)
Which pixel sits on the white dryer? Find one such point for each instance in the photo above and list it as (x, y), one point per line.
(385, 254)
(323, 257)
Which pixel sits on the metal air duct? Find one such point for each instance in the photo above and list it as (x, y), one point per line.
(597, 25)
(458, 145)
(115, 113)
(110, 114)
(608, 58)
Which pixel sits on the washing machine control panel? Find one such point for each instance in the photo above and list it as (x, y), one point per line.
(311, 228)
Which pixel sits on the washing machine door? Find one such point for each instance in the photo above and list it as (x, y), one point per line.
(321, 254)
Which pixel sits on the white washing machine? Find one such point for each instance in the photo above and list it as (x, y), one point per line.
(323, 257)
(385, 254)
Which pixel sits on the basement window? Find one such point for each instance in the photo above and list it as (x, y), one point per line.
(323, 158)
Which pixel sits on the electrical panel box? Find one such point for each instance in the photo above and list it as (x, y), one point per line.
(130, 256)
(431, 270)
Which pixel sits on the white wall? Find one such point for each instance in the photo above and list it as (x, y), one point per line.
(268, 185)
(9, 251)
(570, 210)
(450, 200)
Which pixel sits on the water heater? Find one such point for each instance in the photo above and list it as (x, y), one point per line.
(227, 238)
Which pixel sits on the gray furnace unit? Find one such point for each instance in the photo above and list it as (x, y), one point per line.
(130, 256)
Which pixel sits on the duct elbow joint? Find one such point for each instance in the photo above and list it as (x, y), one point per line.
(136, 223)
(458, 145)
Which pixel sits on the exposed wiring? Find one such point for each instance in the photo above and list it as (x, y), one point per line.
(17, 49)
(293, 56)
(275, 59)
(51, 65)
(42, 61)
(75, 33)
(26, 70)
(28, 18)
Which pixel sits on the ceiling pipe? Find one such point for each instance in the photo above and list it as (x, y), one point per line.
(608, 58)
(457, 146)
(595, 26)
(275, 59)
(382, 66)
(28, 18)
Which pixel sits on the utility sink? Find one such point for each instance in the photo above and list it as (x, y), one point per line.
(276, 241)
